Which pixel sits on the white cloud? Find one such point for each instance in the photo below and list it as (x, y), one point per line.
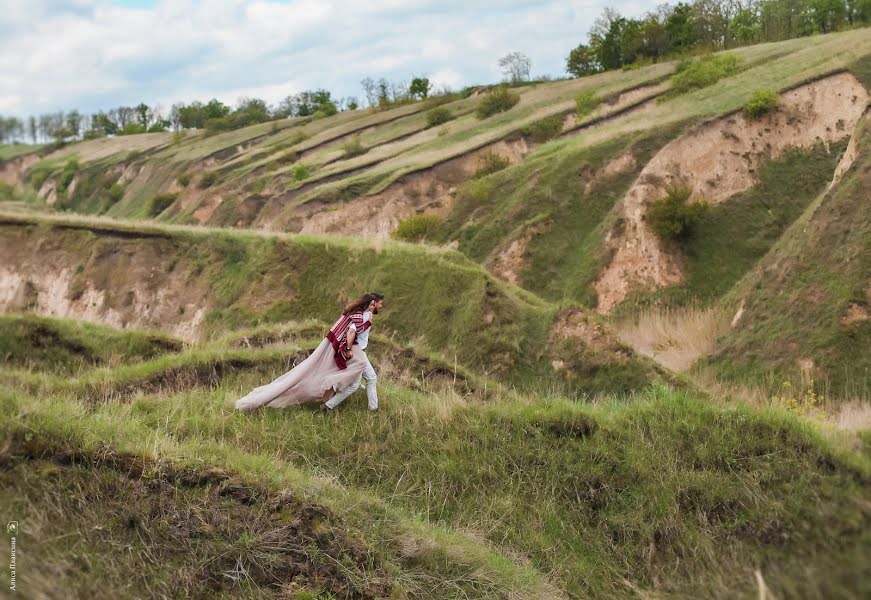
(94, 55)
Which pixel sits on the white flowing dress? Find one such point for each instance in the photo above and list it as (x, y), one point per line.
(307, 381)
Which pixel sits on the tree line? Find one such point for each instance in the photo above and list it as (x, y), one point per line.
(213, 115)
(707, 25)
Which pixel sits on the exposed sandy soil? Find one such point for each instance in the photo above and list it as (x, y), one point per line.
(582, 329)
(509, 261)
(12, 171)
(718, 160)
(127, 285)
(428, 192)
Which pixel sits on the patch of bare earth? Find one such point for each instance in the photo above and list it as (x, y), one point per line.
(12, 171)
(509, 262)
(581, 329)
(122, 285)
(718, 160)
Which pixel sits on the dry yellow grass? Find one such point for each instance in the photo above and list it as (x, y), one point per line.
(674, 337)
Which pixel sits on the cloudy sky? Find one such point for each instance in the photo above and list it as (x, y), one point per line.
(97, 54)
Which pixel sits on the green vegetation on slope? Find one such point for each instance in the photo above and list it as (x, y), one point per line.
(67, 346)
(436, 299)
(661, 490)
(731, 237)
(808, 299)
(561, 201)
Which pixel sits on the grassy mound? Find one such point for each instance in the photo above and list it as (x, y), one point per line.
(661, 493)
(66, 346)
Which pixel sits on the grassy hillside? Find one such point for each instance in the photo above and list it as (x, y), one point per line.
(806, 304)
(443, 494)
(198, 283)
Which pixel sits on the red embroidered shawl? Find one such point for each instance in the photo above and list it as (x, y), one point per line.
(338, 333)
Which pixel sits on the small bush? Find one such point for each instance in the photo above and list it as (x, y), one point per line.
(490, 163)
(479, 190)
(354, 147)
(438, 116)
(178, 138)
(160, 203)
(673, 217)
(586, 102)
(497, 100)
(133, 155)
(66, 176)
(38, 175)
(114, 195)
(415, 228)
(184, 179)
(546, 129)
(704, 72)
(208, 179)
(7, 192)
(444, 131)
(319, 115)
(760, 103)
(301, 171)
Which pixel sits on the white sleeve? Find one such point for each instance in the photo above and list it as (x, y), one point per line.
(352, 326)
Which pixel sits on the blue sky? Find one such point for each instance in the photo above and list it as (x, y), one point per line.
(97, 54)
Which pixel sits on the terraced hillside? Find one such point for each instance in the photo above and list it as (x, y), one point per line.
(535, 439)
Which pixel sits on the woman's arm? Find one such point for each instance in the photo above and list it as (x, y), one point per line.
(352, 334)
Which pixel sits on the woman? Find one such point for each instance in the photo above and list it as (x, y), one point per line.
(330, 369)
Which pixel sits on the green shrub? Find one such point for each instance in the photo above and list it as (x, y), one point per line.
(760, 103)
(479, 190)
(490, 163)
(438, 116)
(586, 102)
(184, 179)
(415, 228)
(66, 176)
(673, 217)
(160, 203)
(208, 179)
(114, 194)
(319, 115)
(497, 100)
(546, 129)
(38, 174)
(704, 72)
(301, 171)
(354, 147)
(7, 192)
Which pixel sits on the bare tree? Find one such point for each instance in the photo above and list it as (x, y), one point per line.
(515, 66)
(369, 91)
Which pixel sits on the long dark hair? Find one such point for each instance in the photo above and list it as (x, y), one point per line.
(362, 303)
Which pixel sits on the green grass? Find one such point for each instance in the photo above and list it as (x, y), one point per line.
(565, 253)
(662, 490)
(437, 299)
(10, 151)
(67, 346)
(798, 299)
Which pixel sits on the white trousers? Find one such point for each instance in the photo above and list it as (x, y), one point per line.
(368, 375)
